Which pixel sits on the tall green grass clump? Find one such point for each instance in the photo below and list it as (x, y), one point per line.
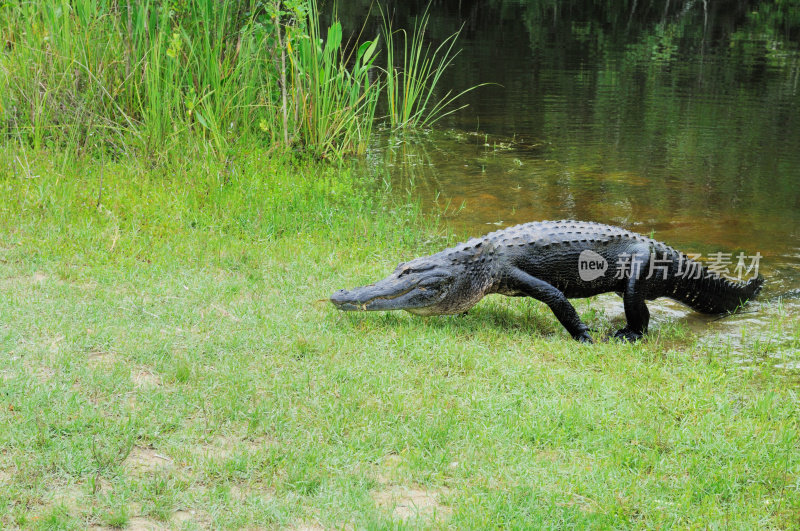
(131, 74)
(148, 76)
(411, 89)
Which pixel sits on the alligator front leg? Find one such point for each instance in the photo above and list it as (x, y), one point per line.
(633, 298)
(552, 297)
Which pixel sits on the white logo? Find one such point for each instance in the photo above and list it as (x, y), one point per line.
(591, 265)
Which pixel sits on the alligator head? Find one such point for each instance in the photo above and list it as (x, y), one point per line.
(431, 285)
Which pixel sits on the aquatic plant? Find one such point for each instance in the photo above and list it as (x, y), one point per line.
(151, 76)
(411, 89)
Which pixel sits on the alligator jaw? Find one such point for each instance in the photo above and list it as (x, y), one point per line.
(361, 300)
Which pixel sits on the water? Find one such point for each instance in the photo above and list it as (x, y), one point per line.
(680, 120)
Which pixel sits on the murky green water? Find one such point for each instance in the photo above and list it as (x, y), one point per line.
(671, 119)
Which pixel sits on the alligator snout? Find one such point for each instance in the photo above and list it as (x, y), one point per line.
(340, 297)
(348, 300)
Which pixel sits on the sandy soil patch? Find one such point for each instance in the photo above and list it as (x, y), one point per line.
(405, 502)
(147, 460)
(140, 523)
(307, 526)
(412, 503)
(195, 516)
(144, 378)
(23, 280)
(388, 469)
(101, 359)
(221, 447)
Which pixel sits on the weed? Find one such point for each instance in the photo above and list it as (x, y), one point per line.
(411, 89)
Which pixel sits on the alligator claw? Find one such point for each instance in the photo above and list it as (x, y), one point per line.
(627, 335)
(584, 337)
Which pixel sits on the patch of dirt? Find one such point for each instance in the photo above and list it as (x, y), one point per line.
(412, 503)
(307, 526)
(140, 523)
(147, 460)
(225, 313)
(43, 374)
(217, 449)
(388, 468)
(222, 447)
(54, 344)
(70, 496)
(548, 455)
(23, 280)
(101, 358)
(241, 492)
(584, 504)
(406, 502)
(103, 485)
(142, 376)
(145, 378)
(196, 516)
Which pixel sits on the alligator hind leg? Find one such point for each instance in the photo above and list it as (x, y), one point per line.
(636, 312)
(554, 298)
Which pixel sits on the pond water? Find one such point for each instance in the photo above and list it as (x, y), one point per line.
(680, 119)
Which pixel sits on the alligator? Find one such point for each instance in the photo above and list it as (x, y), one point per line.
(553, 261)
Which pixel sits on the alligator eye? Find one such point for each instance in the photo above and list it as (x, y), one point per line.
(415, 269)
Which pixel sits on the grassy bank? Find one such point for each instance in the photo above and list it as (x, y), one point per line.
(167, 361)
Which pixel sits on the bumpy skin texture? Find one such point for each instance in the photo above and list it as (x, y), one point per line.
(543, 260)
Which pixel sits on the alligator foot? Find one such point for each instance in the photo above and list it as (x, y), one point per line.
(628, 335)
(583, 337)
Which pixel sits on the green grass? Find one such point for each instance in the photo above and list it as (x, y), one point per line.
(168, 359)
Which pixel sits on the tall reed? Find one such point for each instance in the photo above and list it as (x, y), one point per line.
(134, 74)
(411, 89)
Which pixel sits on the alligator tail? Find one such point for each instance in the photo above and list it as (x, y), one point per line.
(714, 294)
